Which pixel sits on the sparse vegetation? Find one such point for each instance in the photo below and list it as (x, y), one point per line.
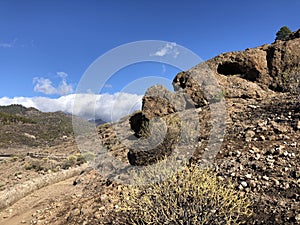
(44, 164)
(6, 119)
(45, 129)
(189, 196)
(73, 160)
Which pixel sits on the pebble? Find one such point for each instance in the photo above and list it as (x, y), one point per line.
(76, 212)
(265, 178)
(103, 197)
(252, 183)
(286, 153)
(244, 184)
(249, 135)
(220, 178)
(286, 186)
(277, 183)
(102, 208)
(298, 125)
(262, 138)
(257, 156)
(280, 149)
(248, 176)
(294, 144)
(255, 149)
(97, 215)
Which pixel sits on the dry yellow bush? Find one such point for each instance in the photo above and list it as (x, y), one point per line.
(189, 196)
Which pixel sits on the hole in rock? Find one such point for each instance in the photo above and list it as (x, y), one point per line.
(231, 68)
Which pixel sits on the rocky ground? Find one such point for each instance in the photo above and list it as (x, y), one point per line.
(260, 153)
(18, 165)
(247, 102)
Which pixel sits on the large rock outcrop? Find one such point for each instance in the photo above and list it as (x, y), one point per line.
(252, 73)
(255, 73)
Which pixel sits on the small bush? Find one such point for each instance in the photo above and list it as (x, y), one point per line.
(14, 158)
(87, 157)
(69, 162)
(36, 165)
(77, 159)
(283, 33)
(189, 196)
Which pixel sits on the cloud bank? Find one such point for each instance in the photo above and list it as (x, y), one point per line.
(108, 107)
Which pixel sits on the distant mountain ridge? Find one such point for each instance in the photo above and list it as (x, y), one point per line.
(21, 126)
(97, 122)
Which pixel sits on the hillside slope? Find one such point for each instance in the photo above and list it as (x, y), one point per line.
(21, 126)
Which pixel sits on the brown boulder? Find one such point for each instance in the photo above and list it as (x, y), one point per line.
(159, 101)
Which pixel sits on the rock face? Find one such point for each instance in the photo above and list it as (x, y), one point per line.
(251, 74)
(269, 68)
(283, 59)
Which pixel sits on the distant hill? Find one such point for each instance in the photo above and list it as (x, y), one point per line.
(97, 122)
(21, 126)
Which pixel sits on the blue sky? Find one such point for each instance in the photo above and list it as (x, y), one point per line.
(46, 46)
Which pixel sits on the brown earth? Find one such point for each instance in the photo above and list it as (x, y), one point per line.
(22, 212)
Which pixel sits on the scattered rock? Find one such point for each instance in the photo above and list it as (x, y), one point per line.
(244, 184)
(249, 135)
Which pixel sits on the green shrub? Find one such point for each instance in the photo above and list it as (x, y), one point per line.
(189, 196)
(283, 33)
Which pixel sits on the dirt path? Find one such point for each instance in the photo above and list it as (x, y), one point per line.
(21, 212)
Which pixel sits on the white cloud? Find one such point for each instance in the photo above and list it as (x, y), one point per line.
(64, 88)
(63, 75)
(108, 86)
(168, 49)
(44, 85)
(8, 45)
(108, 107)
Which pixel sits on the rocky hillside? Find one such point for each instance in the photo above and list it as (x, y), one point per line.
(21, 127)
(238, 112)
